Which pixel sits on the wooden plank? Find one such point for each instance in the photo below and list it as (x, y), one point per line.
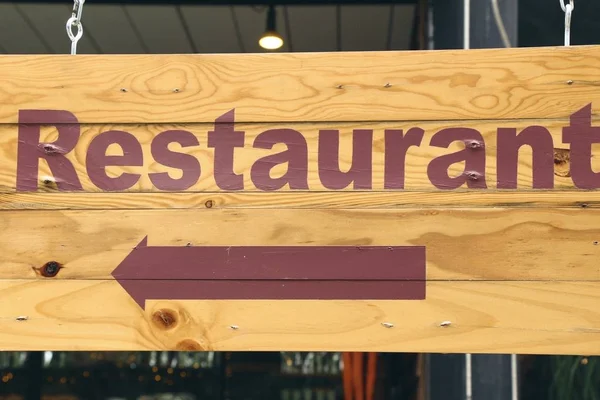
(379, 158)
(474, 317)
(537, 244)
(356, 86)
(286, 200)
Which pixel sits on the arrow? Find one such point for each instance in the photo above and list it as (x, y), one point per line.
(272, 272)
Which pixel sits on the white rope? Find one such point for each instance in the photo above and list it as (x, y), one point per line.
(568, 9)
(500, 23)
(467, 24)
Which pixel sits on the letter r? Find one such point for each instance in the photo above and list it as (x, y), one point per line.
(30, 150)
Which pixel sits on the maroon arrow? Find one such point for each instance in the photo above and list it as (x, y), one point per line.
(272, 272)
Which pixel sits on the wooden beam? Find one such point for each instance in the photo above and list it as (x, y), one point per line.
(299, 200)
(491, 317)
(499, 244)
(307, 87)
(379, 149)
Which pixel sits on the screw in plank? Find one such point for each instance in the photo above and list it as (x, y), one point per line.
(48, 180)
(474, 144)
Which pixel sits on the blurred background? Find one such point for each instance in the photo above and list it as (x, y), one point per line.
(282, 376)
(235, 26)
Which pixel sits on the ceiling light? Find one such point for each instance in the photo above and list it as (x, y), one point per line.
(271, 40)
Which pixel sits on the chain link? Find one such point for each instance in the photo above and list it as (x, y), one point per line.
(564, 7)
(75, 21)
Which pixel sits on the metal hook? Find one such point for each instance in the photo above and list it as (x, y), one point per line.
(564, 7)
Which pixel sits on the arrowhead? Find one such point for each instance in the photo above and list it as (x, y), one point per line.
(125, 271)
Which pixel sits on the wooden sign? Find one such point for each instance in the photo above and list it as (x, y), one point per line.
(438, 201)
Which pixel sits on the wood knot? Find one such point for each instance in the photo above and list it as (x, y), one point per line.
(562, 162)
(49, 270)
(165, 319)
(209, 204)
(189, 345)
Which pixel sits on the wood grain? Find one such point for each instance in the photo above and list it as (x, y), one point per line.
(417, 158)
(356, 86)
(507, 271)
(539, 244)
(484, 317)
(286, 200)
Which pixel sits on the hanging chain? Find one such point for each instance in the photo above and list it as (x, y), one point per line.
(568, 9)
(75, 21)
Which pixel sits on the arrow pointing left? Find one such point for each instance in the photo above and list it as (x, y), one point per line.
(272, 272)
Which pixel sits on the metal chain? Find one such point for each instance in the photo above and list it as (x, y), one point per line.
(75, 21)
(568, 9)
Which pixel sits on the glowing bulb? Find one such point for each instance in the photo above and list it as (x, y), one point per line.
(270, 41)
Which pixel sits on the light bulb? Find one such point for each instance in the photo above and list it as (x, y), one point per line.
(270, 41)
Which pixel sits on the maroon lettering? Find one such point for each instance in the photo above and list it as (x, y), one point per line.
(473, 155)
(396, 147)
(357, 172)
(509, 143)
(30, 150)
(224, 139)
(360, 172)
(581, 135)
(296, 157)
(97, 160)
(187, 163)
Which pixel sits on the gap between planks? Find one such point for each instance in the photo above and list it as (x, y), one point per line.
(347, 199)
